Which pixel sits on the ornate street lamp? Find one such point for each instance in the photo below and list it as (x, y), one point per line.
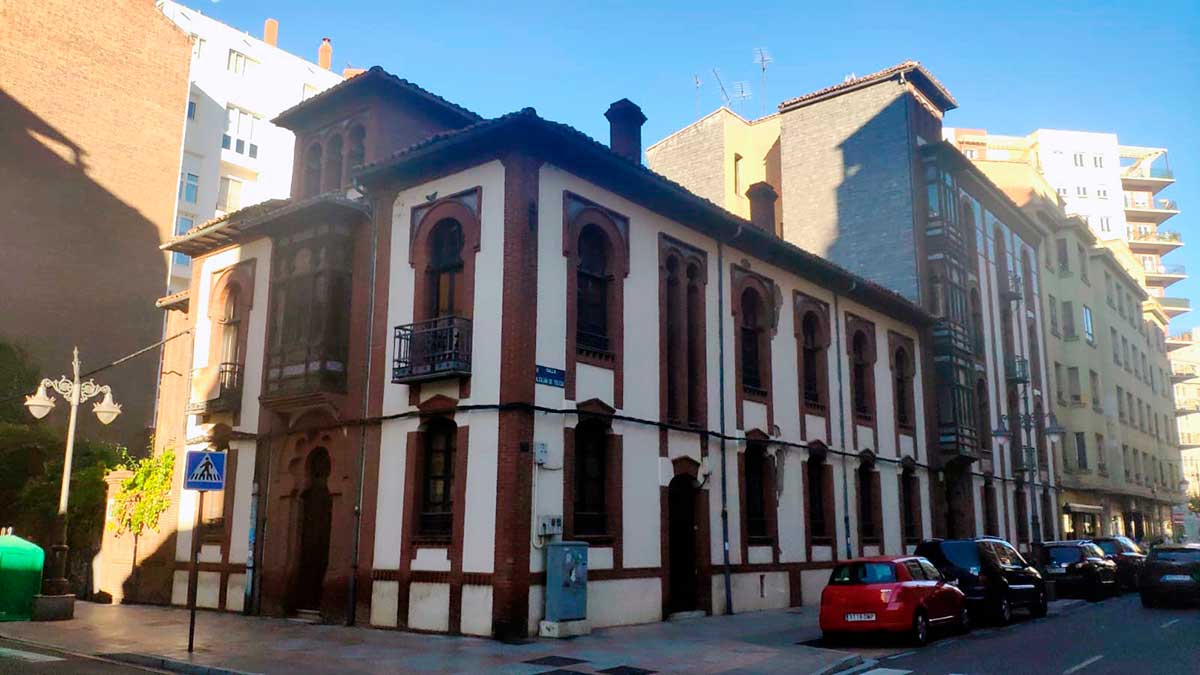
(1054, 434)
(40, 404)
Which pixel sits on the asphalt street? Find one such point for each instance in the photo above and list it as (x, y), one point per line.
(18, 657)
(1117, 635)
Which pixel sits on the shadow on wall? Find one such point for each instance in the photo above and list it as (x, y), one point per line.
(80, 266)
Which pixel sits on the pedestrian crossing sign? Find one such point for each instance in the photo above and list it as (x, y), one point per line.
(204, 470)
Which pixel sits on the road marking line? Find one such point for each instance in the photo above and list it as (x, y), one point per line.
(943, 643)
(1083, 665)
(32, 657)
(886, 671)
(910, 653)
(1170, 623)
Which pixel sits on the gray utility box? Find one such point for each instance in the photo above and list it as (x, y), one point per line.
(566, 581)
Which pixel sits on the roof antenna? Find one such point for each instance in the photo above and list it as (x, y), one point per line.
(741, 92)
(696, 79)
(763, 59)
(724, 94)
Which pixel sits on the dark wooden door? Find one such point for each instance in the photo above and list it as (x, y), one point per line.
(681, 518)
(316, 515)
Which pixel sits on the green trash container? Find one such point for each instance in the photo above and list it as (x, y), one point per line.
(20, 577)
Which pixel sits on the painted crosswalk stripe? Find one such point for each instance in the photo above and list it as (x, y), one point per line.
(32, 657)
(1081, 666)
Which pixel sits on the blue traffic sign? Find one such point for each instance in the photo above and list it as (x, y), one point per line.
(204, 470)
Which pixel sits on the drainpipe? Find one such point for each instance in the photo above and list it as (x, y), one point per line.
(721, 399)
(840, 347)
(352, 600)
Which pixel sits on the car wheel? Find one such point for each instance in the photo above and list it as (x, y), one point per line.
(1003, 611)
(1041, 607)
(964, 621)
(920, 629)
(1147, 600)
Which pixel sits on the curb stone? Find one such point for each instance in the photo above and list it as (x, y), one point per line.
(846, 662)
(170, 665)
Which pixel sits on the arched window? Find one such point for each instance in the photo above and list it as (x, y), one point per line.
(437, 484)
(756, 485)
(312, 170)
(592, 290)
(445, 267)
(902, 370)
(591, 479)
(357, 154)
(861, 376)
(231, 339)
(910, 503)
(868, 525)
(751, 336)
(820, 520)
(696, 386)
(676, 333)
(812, 362)
(333, 163)
(983, 416)
(977, 338)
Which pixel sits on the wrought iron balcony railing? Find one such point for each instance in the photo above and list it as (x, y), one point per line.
(1016, 369)
(219, 391)
(432, 349)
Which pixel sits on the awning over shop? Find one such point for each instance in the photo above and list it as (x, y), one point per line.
(1071, 507)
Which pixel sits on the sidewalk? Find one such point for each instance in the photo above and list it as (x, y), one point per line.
(751, 642)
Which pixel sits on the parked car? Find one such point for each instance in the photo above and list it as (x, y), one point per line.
(1172, 571)
(896, 594)
(1127, 554)
(992, 574)
(1078, 568)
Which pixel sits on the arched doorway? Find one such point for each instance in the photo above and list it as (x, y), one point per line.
(681, 533)
(315, 519)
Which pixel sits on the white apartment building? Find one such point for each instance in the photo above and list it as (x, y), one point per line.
(1113, 187)
(232, 155)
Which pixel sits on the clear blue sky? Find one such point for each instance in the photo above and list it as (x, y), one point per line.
(1013, 66)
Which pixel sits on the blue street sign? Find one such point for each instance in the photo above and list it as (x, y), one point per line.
(550, 376)
(204, 470)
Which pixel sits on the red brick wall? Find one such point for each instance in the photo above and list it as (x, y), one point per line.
(92, 102)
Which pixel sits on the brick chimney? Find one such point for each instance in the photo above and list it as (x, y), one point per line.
(762, 205)
(625, 120)
(271, 32)
(325, 54)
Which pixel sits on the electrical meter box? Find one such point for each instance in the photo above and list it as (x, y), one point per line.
(566, 580)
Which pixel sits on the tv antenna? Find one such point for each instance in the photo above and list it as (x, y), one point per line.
(741, 91)
(763, 58)
(724, 94)
(696, 79)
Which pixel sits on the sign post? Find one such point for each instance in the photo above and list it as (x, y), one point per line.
(203, 471)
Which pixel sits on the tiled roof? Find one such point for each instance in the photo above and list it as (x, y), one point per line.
(226, 229)
(948, 101)
(377, 75)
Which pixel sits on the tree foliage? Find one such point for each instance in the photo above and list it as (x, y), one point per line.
(1194, 504)
(145, 495)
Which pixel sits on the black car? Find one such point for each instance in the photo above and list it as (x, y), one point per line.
(992, 574)
(1171, 572)
(1128, 556)
(1078, 568)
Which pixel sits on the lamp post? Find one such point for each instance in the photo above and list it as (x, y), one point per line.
(1054, 434)
(39, 404)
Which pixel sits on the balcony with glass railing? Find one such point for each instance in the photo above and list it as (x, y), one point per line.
(1148, 209)
(1161, 274)
(1149, 178)
(1147, 240)
(1173, 307)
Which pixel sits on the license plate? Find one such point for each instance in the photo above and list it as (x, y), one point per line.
(868, 616)
(1173, 578)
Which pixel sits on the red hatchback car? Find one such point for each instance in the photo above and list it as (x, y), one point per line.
(897, 594)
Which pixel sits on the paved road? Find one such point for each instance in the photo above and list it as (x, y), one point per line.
(18, 657)
(1116, 636)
